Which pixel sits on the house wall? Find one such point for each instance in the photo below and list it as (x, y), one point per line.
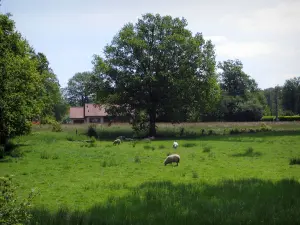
(99, 119)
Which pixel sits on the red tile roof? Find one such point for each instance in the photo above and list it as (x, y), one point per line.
(90, 110)
(94, 110)
(76, 112)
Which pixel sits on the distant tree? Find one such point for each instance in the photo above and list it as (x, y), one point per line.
(80, 89)
(234, 80)
(21, 83)
(157, 66)
(242, 100)
(291, 95)
(50, 94)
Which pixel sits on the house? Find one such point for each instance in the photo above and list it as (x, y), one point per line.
(90, 113)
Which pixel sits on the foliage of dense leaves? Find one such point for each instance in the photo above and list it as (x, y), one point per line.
(158, 67)
(80, 89)
(28, 88)
(12, 210)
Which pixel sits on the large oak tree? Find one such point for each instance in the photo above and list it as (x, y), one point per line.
(157, 66)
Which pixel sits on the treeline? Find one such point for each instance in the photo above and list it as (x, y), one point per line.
(153, 71)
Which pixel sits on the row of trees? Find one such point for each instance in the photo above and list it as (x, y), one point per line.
(154, 70)
(28, 87)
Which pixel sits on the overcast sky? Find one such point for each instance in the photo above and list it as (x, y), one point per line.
(261, 33)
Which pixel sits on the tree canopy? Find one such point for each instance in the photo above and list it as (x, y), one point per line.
(28, 87)
(157, 66)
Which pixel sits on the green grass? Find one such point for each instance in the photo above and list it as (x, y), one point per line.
(241, 179)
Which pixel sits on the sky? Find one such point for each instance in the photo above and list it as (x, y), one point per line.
(260, 33)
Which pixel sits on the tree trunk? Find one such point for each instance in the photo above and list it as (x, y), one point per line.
(152, 123)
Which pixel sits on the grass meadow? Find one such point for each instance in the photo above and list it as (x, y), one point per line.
(248, 178)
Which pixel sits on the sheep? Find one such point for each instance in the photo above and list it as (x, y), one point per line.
(172, 158)
(175, 145)
(117, 141)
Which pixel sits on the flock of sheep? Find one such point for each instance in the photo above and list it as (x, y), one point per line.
(170, 158)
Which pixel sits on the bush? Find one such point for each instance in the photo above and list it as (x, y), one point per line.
(11, 210)
(289, 118)
(268, 118)
(91, 132)
(264, 127)
(56, 127)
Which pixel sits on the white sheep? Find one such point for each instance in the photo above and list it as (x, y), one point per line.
(117, 141)
(172, 158)
(175, 144)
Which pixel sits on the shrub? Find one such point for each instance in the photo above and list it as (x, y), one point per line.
(56, 127)
(289, 118)
(11, 210)
(207, 149)
(268, 118)
(295, 161)
(91, 132)
(265, 127)
(234, 131)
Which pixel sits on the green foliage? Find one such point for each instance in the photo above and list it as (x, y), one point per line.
(155, 66)
(291, 95)
(289, 118)
(28, 89)
(92, 132)
(56, 127)
(268, 118)
(80, 89)
(13, 211)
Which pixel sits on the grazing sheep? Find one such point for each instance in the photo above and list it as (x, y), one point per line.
(175, 145)
(172, 158)
(117, 141)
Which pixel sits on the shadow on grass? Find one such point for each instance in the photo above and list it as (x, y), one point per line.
(248, 153)
(12, 150)
(249, 201)
(107, 135)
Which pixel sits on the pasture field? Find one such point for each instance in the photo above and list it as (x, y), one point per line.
(221, 179)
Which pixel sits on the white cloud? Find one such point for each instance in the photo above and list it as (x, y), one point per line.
(246, 49)
(280, 19)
